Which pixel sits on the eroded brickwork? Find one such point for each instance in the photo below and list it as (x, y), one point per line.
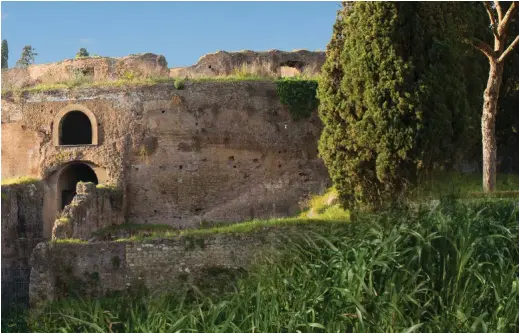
(22, 230)
(98, 269)
(91, 209)
(211, 152)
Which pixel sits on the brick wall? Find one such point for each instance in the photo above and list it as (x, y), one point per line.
(97, 269)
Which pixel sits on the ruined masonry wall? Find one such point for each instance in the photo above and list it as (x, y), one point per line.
(98, 269)
(91, 209)
(22, 230)
(211, 152)
(96, 69)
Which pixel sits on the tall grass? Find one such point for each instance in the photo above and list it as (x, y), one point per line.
(449, 268)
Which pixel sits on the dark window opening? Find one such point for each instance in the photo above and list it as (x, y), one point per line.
(75, 129)
(89, 71)
(69, 178)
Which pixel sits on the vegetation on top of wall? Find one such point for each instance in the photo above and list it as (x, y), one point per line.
(63, 220)
(79, 82)
(179, 84)
(321, 211)
(107, 186)
(299, 95)
(20, 180)
(68, 241)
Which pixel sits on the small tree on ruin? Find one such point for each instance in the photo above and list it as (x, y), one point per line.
(27, 57)
(82, 53)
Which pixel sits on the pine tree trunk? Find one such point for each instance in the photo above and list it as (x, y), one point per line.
(488, 125)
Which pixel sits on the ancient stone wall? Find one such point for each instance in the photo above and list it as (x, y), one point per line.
(91, 209)
(22, 229)
(211, 152)
(19, 144)
(268, 63)
(94, 69)
(99, 269)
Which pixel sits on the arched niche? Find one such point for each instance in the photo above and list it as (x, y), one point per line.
(65, 179)
(68, 179)
(75, 125)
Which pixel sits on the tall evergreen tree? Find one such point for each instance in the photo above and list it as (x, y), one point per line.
(5, 54)
(27, 57)
(393, 96)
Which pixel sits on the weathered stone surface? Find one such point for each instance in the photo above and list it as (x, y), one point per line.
(98, 269)
(22, 230)
(94, 68)
(211, 152)
(271, 62)
(90, 210)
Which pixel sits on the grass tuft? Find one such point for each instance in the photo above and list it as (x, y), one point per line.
(69, 241)
(20, 180)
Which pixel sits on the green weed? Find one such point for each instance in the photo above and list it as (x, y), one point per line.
(20, 180)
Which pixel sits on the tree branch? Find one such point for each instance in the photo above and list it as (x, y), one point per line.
(488, 7)
(503, 23)
(509, 49)
(483, 47)
(499, 11)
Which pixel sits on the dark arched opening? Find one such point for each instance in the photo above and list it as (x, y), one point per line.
(75, 129)
(68, 179)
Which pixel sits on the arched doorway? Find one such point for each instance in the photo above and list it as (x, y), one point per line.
(68, 179)
(75, 129)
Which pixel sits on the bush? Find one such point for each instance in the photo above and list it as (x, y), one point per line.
(179, 84)
(298, 95)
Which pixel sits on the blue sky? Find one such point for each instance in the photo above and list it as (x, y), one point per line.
(181, 31)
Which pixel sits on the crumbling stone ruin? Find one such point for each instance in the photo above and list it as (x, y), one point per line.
(269, 63)
(107, 153)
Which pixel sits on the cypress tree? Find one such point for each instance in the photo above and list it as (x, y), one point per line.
(5, 54)
(393, 97)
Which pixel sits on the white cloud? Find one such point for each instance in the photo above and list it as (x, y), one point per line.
(86, 41)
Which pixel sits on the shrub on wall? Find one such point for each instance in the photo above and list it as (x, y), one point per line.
(298, 95)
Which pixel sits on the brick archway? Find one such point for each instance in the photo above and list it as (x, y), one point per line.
(78, 112)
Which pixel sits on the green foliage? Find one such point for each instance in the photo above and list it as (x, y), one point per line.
(452, 268)
(82, 53)
(179, 84)
(27, 57)
(63, 220)
(507, 121)
(69, 241)
(5, 54)
(393, 98)
(20, 180)
(298, 95)
(78, 79)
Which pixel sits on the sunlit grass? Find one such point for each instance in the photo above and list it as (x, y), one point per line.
(452, 268)
(20, 180)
